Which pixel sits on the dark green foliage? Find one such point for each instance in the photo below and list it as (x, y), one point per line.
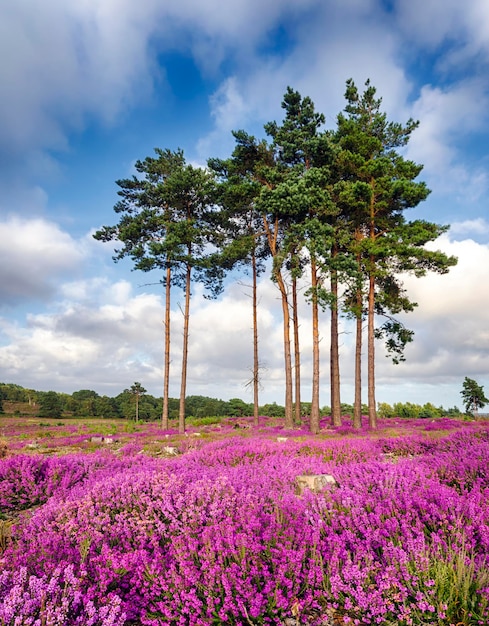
(239, 408)
(410, 410)
(473, 396)
(16, 393)
(202, 407)
(50, 404)
(272, 410)
(167, 219)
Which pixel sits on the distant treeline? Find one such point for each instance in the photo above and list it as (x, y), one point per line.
(88, 403)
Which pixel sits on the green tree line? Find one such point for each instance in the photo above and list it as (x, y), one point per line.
(323, 209)
(88, 403)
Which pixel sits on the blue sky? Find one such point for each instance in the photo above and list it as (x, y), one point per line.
(89, 87)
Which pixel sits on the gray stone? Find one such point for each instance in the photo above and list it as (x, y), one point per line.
(171, 450)
(314, 482)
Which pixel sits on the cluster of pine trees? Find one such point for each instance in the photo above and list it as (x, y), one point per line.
(323, 205)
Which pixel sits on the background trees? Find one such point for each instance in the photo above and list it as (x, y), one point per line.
(137, 390)
(473, 396)
(50, 404)
(122, 406)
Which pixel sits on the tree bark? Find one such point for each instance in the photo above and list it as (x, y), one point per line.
(256, 364)
(314, 425)
(357, 406)
(372, 408)
(335, 354)
(183, 386)
(272, 236)
(289, 418)
(166, 372)
(297, 353)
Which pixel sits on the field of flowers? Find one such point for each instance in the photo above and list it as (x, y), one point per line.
(127, 535)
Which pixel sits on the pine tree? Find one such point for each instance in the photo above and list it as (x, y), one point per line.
(168, 224)
(302, 199)
(382, 184)
(473, 396)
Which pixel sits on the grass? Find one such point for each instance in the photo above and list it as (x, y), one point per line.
(31, 434)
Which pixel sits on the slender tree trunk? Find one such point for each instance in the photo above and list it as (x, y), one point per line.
(357, 406)
(297, 353)
(289, 419)
(183, 387)
(137, 408)
(315, 350)
(272, 235)
(166, 373)
(256, 364)
(372, 408)
(335, 354)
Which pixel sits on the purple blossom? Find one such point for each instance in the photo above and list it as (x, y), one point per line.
(220, 534)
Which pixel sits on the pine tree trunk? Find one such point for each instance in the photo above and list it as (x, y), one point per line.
(372, 408)
(166, 372)
(289, 418)
(272, 234)
(315, 351)
(357, 406)
(335, 355)
(183, 386)
(256, 364)
(297, 354)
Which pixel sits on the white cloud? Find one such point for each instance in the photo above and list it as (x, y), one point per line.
(462, 28)
(84, 63)
(34, 255)
(317, 64)
(446, 115)
(103, 335)
(71, 61)
(428, 22)
(229, 112)
(452, 340)
(479, 226)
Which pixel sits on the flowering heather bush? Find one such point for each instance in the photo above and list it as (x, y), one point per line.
(220, 536)
(27, 481)
(55, 600)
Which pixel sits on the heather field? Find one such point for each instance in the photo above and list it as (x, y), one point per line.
(112, 524)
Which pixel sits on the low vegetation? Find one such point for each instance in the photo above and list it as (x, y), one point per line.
(151, 527)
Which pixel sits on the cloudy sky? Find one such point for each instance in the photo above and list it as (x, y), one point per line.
(89, 87)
